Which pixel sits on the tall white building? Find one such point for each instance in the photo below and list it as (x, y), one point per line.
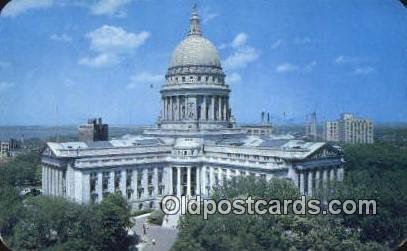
(194, 146)
(348, 129)
(330, 131)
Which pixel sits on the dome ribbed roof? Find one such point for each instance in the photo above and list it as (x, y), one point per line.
(195, 50)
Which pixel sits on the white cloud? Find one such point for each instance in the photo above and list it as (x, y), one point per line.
(233, 77)
(5, 85)
(288, 67)
(346, 60)
(277, 44)
(109, 7)
(310, 66)
(110, 42)
(240, 58)
(61, 37)
(17, 7)
(363, 70)
(208, 15)
(303, 40)
(242, 54)
(239, 40)
(103, 59)
(108, 38)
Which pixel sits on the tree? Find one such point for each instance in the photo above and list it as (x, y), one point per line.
(265, 232)
(379, 172)
(10, 207)
(21, 171)
(113, 222)
(57, 224)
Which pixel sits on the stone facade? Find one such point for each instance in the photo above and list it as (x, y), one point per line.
(194, 146)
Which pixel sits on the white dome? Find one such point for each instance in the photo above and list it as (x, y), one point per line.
(195, 50)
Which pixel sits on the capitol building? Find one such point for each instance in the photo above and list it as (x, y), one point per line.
(195, 145)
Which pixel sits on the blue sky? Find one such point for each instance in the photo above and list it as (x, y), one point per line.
(64, 61)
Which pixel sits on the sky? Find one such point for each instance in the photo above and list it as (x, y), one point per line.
(63, 61)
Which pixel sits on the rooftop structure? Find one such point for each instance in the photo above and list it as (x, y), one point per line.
(94, 130)
(195, 145)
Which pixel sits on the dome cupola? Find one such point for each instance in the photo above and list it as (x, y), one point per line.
(195, 95)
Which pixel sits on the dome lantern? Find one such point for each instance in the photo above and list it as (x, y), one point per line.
(194, 27)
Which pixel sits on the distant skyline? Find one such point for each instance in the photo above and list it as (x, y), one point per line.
(62, 62)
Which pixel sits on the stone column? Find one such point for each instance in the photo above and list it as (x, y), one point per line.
(144, 183)
(178, 116)
(317, 178)
(325, 178)
(171, 108)
(169, 183)
(219, 108)
(225, 109)
(228, 174)
(188, 181)
(99, 186)
(302, 183)
(203, 108)
(43, 179)
(203, 180)
(49, 180)
(165, 114)
(162, 108)
(198, 179)
(53, 181)
(56, 181)
(155, 181)
(110, 186)
(211, 178)
(332, 176)
(181, 100)
(340, 174)
(220, 174)
(123, 183)
(179, 182)
(85, 188)
(310, 178)
(213, 108)
(60, 183)
(134, 182)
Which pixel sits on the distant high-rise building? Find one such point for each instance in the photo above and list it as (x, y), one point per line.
(94, 130)
(330, 131)
(311, 126)
(349, 129)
